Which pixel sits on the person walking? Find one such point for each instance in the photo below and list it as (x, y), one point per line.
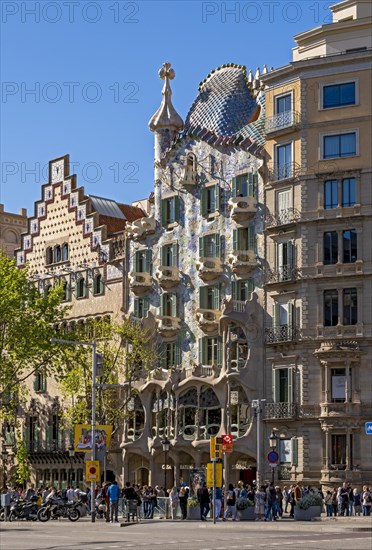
(328, 503)
(218, 504)
(366, 501)
(230, 504)
(270, 514)
(183, 496)
(114, 495)
(259, 503)
(357, 502)
(204, 501)
(335, 501)
(174, 501)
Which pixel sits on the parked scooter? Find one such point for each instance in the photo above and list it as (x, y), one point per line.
(22, 509)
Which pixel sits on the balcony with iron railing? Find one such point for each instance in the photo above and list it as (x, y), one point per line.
(242, 208)
(209, 268)
(275, 411)
(283, 274)
(286, 216)
(279, 172)
(282, 121)
(281, 334)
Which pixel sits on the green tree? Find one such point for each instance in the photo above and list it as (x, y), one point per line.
(27, 324)
(23, 471)
(128, 352)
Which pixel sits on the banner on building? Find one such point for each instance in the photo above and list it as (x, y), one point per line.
(83, 437)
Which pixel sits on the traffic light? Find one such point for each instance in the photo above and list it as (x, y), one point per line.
(216, 447)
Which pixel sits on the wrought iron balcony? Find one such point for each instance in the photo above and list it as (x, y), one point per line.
(139, 281)
(283, 274)
(282, 121)
(208, 319)
(141, 228)
(280, 410)
(242, 208)
(168, 326)
(290, 170)
(286, 216)
(209, 268)
(242, 261)
(168, 277)
(282, 333)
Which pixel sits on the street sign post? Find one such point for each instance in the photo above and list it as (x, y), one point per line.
(369, 428)
(227, 443)
(92, 471)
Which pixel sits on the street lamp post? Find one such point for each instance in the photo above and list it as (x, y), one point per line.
(273, 441)
(166, 445)
(71, 455)
(4, 456)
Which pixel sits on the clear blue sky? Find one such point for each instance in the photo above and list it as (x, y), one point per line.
(75, 52)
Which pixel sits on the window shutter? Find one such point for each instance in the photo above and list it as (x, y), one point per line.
(276, 313)
(234, 290)
(217, 245)
(177, 353)
(174, 304)
(290, 253)
(201, 247)
(203, 202)
(163, 255)
(36, 382)
(136, 307)
(233, 186)
(203, 296)
(201, 350)
(279, 252)
(219, 352)
(275, 380)
(217, 297)
(175, 254)
(49, 437)
(290, 385)
(251, 239)
(136, 262)
(176, 208)
(162, 305)
(218, 192)
(43, 382)
(146, 306)
(164, 212)
(294, 451)
(235, 239)
(148, 257)
(290, 314)
(250, 184)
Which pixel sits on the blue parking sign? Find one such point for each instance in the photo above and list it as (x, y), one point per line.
(369, 428)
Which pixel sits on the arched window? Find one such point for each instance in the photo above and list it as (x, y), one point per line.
(65, 252)
(57, 254)
(81, 288)
(66, 291)
(98, 284)
(49, 255)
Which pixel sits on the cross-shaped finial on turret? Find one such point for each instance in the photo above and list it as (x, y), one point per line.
(166, 71)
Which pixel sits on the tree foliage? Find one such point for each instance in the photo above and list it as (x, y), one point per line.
(27, 321)
(23, 471)
(128, 353)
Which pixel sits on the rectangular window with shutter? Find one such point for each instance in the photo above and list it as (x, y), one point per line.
(169, 255)
(244, 238)
(143, 261)
(171, 354)
(168, 305)
(210, 200)
(210, 351)
(170, 208)
(141, 307)
(283, 385)
(242, 290)
(210, 297)
(209, 246)
(245, 185)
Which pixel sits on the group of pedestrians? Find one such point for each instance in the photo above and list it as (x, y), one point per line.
(346, 501)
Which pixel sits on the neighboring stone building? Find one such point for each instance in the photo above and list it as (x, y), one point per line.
(318, 197)
(11, 228)
(196, 278)
(79, 241)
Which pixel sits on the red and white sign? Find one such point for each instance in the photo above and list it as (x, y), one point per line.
(227, 443)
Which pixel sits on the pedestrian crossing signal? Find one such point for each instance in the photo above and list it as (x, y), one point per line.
(216, 447)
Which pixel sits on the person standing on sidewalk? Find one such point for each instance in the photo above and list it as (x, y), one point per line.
(204, 500)
(114, 495)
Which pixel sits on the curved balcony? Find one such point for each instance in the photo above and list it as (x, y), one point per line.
(141, 228)
(168, 277)
(242, 261)
(139, 282)
(208, 319)
(168, 326)
(242, 209)
(281, 121)
(286, 216)
(209, 268)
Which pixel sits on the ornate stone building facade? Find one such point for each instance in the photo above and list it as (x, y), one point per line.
(77, 240)
(195, 278)
(11, 228)
(318, 198)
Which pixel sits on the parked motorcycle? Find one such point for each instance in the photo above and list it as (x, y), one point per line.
(22, 509)
(56, 508)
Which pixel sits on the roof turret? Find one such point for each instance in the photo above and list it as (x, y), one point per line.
(166, 116)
